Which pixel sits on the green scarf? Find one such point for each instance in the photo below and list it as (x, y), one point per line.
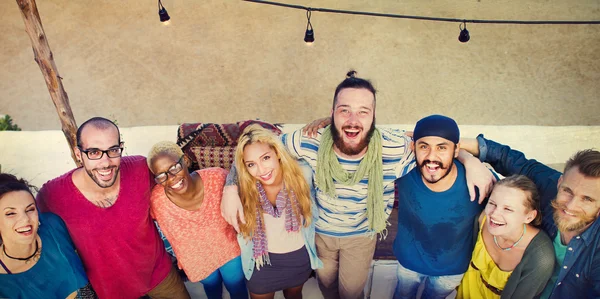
(371, 166)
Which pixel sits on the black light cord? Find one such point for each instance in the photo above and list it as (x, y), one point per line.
(308, 14)
(375, 14)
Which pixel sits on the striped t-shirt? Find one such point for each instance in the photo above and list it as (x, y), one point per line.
(346, 215)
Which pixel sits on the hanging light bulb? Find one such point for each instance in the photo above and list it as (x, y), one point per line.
(162, 13)
(309, 36)
(463, 37)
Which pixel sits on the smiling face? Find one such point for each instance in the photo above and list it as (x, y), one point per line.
(577, 202)
(104, 171)
(506, 211)
(169, 164)
(263, 164)
(353, 121)
(19, 221)
(435, 157)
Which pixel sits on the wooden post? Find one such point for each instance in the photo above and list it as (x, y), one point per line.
(44, 58)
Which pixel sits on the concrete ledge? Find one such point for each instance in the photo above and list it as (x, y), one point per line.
(42, 155)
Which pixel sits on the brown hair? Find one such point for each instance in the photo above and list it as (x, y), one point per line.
(10, 183)
(532, 199)
(587, 161)
(352, 81)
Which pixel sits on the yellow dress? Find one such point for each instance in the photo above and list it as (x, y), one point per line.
(483, 279)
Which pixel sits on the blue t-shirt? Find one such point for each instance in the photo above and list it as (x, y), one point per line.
(59, 271)
(435, 229)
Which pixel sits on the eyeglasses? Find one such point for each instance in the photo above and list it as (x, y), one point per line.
(96, 154)
(175, 169)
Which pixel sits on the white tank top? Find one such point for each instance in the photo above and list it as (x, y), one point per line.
(278, 239)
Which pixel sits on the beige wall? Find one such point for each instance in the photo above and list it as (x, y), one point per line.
(226, 60)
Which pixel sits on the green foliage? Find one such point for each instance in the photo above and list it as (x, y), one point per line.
(7, 125)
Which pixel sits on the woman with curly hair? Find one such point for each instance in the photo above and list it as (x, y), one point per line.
(186, 206)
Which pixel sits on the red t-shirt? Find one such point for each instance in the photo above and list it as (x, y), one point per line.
(202, 240)
(121, 250)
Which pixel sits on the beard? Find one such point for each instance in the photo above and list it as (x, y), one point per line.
(338, 141)
(442, 167)
(104, 184)
(566, 226)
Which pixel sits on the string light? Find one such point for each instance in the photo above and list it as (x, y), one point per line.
(464, 33)
(463, 37)
(309, 36)
(162, 13)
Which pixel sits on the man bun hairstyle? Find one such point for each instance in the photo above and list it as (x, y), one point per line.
(352, 81)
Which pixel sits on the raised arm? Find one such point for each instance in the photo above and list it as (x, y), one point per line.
(231, 204)
(480, 180)
(507, 161)
(310, 130)
(470, 145)
(478, 175)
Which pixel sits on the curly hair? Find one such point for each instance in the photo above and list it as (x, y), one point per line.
(163, 147)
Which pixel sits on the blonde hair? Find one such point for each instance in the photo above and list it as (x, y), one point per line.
(292, 177)
(163, 147)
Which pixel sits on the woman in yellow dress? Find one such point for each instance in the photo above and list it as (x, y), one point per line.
(512, 257)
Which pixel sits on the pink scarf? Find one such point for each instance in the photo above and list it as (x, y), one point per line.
(283, 205)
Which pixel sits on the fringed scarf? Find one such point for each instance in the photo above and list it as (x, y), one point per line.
(371, 166)
(286, 203)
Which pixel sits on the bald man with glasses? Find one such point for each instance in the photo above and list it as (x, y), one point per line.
(105, 204)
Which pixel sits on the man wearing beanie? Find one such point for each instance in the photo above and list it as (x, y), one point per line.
(434, 241)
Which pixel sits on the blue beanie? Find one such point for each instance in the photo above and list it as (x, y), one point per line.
(437, 125)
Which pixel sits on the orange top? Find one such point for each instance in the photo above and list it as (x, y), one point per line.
(201, 239)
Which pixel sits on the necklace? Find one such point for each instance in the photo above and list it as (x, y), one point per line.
(26, 259)
(513, 245)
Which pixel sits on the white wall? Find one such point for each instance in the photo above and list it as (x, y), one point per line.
(42, 155)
